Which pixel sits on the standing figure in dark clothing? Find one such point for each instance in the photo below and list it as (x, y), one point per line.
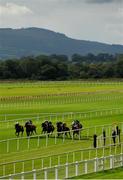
(119, 135)
(117, 130)
(114, 136)
(104, 137)
(95, 140)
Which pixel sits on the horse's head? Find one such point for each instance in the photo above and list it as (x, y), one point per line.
(43, 125)
(58, 124)
(26, 124)
(16, 125)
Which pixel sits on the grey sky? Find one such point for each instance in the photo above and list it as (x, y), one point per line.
(98, 20)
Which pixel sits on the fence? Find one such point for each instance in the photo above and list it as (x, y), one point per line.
(47, 83)
(59, 159)
(38, 118)
(72, 169)
(57, 100)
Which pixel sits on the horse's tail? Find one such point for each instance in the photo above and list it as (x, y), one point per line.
(53, 128)
(34, 128)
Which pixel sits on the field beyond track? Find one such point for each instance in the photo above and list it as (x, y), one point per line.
(102, 101)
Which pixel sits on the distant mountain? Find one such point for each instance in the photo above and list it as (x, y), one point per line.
(35, 41)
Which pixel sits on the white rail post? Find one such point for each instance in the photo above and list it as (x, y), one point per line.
(95, 164)
(121, 159)
(56, 172)
(22, 175)
(7, 145)
(76, 168)
(111, 161)
(45, 174)
(86, 166)
(66, 170)
(34, 174)
(10, 177)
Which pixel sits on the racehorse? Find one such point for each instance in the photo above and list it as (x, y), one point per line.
(47, 127)
(19, 129)
(62, 129)
(30, 128)
(76, 127)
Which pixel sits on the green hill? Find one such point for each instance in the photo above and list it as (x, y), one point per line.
(35, 41)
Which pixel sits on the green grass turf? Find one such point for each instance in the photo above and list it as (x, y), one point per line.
(19, 89)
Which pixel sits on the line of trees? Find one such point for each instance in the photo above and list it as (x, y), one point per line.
(60, 67)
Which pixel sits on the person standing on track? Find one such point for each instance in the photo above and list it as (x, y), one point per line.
(104, 137)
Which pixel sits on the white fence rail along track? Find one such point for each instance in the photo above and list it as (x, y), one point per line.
(61, 116)
(71, 169)
(57, 101)
(59, 159)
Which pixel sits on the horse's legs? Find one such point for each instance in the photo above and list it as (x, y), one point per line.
(73, 134)
(27, 133)
(22, 133)
(69, 134)
(58, 134)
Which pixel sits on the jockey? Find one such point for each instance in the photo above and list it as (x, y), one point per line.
(64, 124)
(77, 121)
(30, 121)
(73, 122)
(46, 122)
(50, 122)
(17, 123)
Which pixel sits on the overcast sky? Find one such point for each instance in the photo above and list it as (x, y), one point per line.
(97, 20)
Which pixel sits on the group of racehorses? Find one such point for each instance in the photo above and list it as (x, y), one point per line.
(30, 128)
(48, 127)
